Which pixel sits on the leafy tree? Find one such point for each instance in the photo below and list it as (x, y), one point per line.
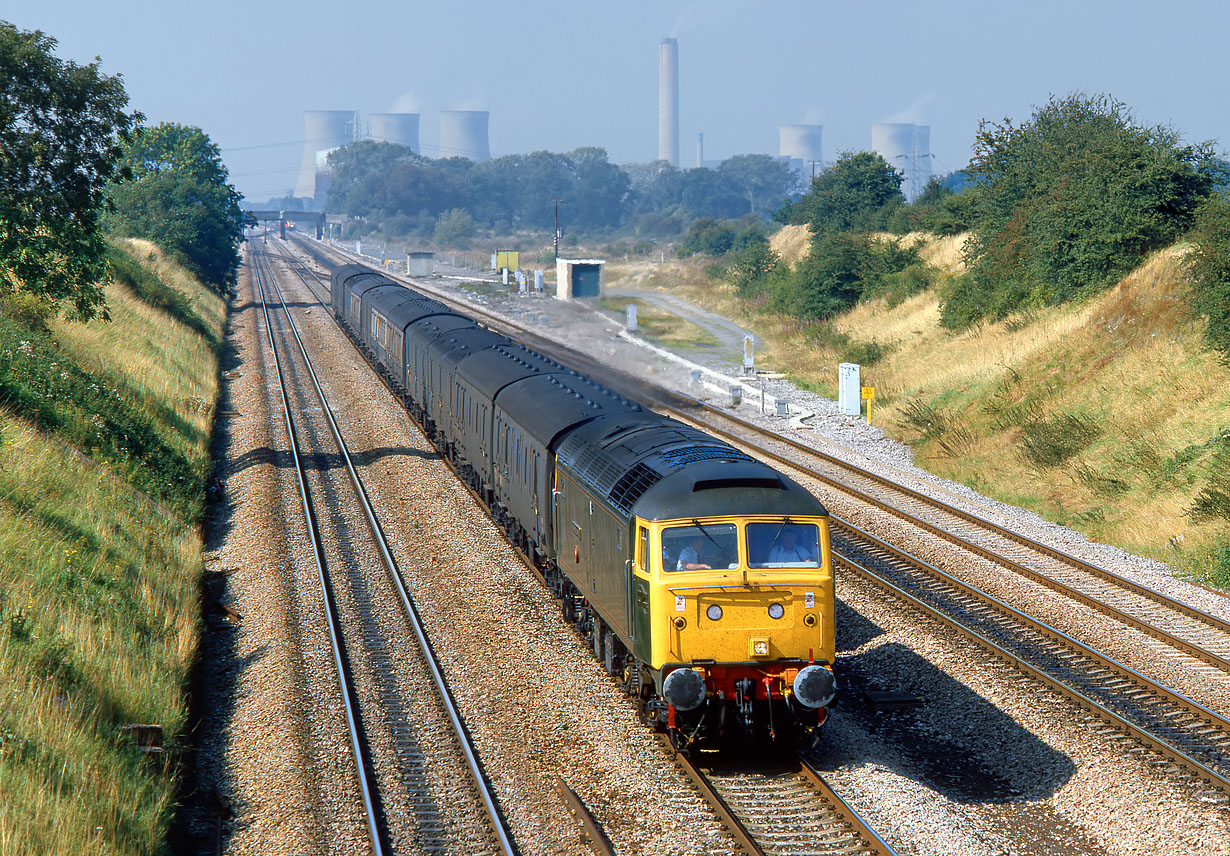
(601, 190)
(1209, 266)
(355, 185)
(707, 193)
(858, 193)
(939, 209)
(179, 197)
(1069, 202)
(762, 180)
(62, 126)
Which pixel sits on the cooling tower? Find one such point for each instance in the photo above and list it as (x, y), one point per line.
(895, 143)
(801, 142)
(400, 128)
(463, 133)
(322, 130)
(668, 101)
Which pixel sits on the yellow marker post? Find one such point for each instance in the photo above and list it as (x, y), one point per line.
(869, 395)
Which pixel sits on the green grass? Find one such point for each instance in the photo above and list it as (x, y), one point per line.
(103, 461)
(662, 328)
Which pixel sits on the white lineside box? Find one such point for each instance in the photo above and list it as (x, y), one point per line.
(849, 389)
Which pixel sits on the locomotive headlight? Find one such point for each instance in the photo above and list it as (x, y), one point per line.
(776, 610)
(714, 612)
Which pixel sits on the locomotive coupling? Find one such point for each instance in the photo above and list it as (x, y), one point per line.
(814, 686)
(684, 688)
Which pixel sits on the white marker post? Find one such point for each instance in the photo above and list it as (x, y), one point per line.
(849, 389)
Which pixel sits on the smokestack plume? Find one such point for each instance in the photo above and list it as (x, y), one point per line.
(668, 101)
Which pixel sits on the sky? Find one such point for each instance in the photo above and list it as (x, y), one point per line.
(560, 74)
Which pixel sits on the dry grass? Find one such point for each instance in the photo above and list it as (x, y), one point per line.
(791, 243)
(1130, 363)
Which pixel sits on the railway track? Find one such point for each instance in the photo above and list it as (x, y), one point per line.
(1123, 701)
(792, 811)
(795, 811)
(444, 801)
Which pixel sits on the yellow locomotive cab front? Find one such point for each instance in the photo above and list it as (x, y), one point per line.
(753, 591)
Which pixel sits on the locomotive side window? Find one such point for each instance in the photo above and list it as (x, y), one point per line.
(642, 550)
(700, 547)
(783, 545)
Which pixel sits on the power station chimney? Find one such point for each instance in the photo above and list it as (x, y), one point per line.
(323, 130)
(463, 133)
(700, 150)
(400, 128)
(668, 101)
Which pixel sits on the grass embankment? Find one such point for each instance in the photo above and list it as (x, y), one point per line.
(104, 434)
(1109, 416)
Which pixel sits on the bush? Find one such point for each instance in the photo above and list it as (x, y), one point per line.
(1051, 441)
(1068, 203)
(841, 269)
(455, 228)
(1213, 500)
(1209, 267)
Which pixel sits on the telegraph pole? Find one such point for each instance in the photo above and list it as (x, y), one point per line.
(557, 202)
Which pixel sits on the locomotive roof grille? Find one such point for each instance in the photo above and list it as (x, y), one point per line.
(632, 485)
(680, 458)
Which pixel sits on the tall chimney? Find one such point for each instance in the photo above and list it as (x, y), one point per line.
(668, 101)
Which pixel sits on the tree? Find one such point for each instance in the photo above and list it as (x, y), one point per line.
(360, 171)
(762, 180)
(62, 126)
(601, 189)
(1069, 202)
(858, 193)
(178, 197)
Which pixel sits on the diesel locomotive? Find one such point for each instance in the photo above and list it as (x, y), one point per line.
(702, 577)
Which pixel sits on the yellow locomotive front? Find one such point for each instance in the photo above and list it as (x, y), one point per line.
(740, 620)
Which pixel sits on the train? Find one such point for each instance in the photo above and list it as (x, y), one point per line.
(701, 577)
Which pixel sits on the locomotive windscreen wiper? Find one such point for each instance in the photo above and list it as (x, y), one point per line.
(705, 532)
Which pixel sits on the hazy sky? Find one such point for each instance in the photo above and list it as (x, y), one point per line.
(557, 75)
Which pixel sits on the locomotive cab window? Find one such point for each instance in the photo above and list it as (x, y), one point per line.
(700, 547)
(783, 545)
(642, 550)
